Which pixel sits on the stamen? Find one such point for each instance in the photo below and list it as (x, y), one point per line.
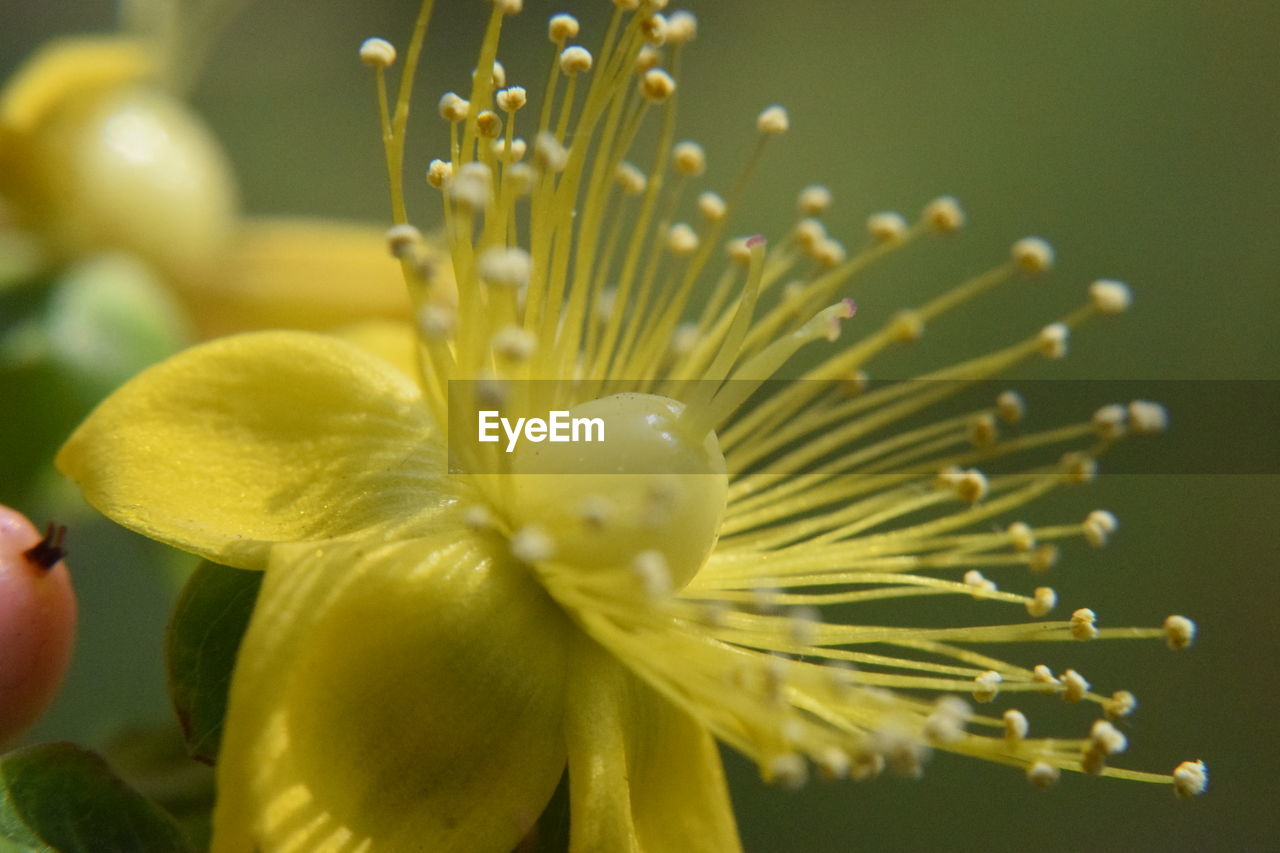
(1179, 632)
(1190, 779)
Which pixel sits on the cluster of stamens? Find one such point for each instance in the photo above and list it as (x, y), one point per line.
(575, 273)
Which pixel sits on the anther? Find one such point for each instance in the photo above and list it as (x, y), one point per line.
(972, 486)
(1121, 704)
(853, 384)
(739, 252)
(803, 624)
(509, 7)
(470, 187)
(907, 326)
(814, 200)
(1044, 558)
(1015, 725)
(867, 764)
(561, 28)
(986, 686)
(498, 75)
(905, 758)
(689, 159)
(788, 770)
(511, 99)
(514, 344)
(532, 544)
(1080, 468)
(682, 27)
(1110, 297)
(1052, 340)
(1021, 537)
(439, 172)
(1106, 737)
(437, 322)
(1043, 775)
(829, 253)
(377, 53)
(508, 266)
(947, 478)
(1093, 760)
(657, 85)
(489, 124)
(548, 154)
(1109, 421)
(1099, 526)
(1147, 418)
(773, 121)
(654, 28)
(1043, 600)
(808, 234)
(1041, 674)
(518, 148)
(1083, 624)
(685, 338)
(453, 108)
(402, 240)
(520, 176)
(575, 60)
(1190, 779)
(1010, 407)
(982, 431)
(980, 584)
(1076, 686)
(712, 206)
(631, 179)
(681, 239)
(887, 227)
(833, 762)
(944, 215)
(1033, 255)
(647, 59)
(945, 724)
(1179, 632)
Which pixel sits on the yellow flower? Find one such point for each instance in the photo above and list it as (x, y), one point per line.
(445, 629)
(98, 153)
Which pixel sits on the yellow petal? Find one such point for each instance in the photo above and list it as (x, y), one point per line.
(301, 274)
(643, 774)
(260, 438)
(70, 68)
(393, 697)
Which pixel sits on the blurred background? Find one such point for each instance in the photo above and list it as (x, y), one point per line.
(1142, 138)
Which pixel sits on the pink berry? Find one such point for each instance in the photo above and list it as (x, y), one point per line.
(37, 621)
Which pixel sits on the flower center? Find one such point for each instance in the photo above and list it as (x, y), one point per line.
(652, 490)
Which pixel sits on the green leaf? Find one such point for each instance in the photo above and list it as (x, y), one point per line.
(204, 636)
(59, 797)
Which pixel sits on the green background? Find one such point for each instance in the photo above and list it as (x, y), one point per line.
(1142, 138)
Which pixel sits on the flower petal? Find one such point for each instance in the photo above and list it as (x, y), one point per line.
(643, 774)
(393, 697)
(301, 274)
(260, 438)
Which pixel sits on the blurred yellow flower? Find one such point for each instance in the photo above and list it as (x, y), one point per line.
(98, 153)
(446, 627)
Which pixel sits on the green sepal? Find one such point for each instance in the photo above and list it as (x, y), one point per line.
(203, 639)
(60, 797)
